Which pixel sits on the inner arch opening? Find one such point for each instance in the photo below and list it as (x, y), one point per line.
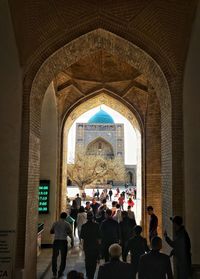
(119, 139)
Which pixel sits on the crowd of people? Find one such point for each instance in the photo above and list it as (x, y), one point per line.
(110, 233)
(129, 192)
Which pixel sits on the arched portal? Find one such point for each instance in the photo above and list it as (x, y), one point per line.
(33, 98)
(111, 101)
(116, 104)
(101, 147)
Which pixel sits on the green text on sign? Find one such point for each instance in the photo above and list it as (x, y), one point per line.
(44, 196)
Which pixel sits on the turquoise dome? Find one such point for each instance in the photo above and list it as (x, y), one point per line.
(101, 117)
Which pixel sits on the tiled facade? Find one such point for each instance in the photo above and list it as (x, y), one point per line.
(111, 133)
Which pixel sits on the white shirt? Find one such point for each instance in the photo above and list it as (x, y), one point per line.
(118, 215)
(81, 219)
(61, 229)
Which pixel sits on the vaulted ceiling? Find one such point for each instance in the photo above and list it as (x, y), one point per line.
(162, 28)
(98, 71)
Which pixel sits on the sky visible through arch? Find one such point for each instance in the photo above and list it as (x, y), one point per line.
(130, 139)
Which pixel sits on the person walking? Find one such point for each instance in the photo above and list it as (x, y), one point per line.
(100, 215)
(121, 201)
(102, 196)
(137, 245)
(94, 205)
(117, 192)
(126, 230)
(118, 214)
(81, 219)
(153, 224)
(90, 235)
(73, 214)
(181, 248)
(155, 265)
(110, 194)
(87, 207)
(130, 202)
(115, 269)
(84, 195)
(97, 194)
(135, 193)
(131, 215)
(78, 201)
(113, 208)
(61, 229)
(109, 230)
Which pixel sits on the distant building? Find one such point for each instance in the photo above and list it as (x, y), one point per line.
(102, 136)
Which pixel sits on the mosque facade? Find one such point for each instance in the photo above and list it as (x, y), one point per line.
(102, 136)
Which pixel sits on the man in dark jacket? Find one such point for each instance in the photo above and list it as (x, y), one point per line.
(153, 224)
(109, 230)
(155, 265)
(115, 269)
(78, 201)
(126, 230)
(110, 194)
(94, 205)
(181, 248)
(91, 239)
(100, 215)
(137, 245)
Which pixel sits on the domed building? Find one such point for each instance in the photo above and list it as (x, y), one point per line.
(102, 136)
(101, 117)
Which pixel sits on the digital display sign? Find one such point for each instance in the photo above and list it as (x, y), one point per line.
(44, 196)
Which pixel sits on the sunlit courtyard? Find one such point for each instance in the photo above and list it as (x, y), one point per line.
(104, 151)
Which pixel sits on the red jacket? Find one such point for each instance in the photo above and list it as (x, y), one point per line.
(131, 203)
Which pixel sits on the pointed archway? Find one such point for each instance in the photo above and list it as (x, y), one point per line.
(32, 103)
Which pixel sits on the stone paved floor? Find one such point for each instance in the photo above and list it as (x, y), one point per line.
(75, 260)
(43, 262)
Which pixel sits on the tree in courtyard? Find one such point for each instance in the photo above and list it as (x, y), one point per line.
(86, 169)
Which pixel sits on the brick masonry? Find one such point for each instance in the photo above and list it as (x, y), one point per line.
(164, 71)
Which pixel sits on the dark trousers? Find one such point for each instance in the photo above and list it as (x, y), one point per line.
(75, 225)
(135, 265)
(91, 258)
(183, 271)
(124, 245)
(59, 245)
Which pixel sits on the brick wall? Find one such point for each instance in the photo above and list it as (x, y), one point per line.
(37, 85)
(153, 157)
